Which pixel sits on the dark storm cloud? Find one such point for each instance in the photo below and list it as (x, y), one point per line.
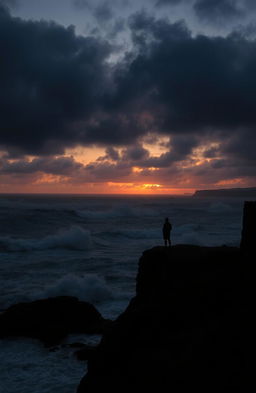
(135, 153)
(9, 3)
(106, 171)
(181, 147)
(215, 11)
(241, 147)
(195, 84)
(112, 154)
(223, 11)
(49, 79)
(58, 91)
(50, 165)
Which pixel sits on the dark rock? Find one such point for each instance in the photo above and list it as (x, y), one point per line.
(76, 345)
(86, 353)
(248, 240)
(50, 320)
(183, 331)
(71, 346)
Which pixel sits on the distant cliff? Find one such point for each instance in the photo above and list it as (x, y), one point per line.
(230, 192)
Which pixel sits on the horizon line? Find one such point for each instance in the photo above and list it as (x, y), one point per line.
(94, 194)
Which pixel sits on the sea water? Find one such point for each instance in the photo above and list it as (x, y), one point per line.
(88, 247)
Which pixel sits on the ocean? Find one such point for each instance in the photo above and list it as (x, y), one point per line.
(88, 247)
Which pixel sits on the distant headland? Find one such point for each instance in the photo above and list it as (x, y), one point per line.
(228, 192)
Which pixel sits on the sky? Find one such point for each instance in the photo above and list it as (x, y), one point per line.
(127, 97)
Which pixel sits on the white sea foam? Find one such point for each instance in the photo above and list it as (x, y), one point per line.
(90, 288)
(75, 238)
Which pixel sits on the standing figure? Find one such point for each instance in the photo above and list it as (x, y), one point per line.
(167, 227)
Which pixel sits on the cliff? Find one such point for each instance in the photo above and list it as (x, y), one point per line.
(230, 192)
(189, 327)
(184, 328)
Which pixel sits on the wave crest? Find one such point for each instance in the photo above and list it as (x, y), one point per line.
(75, 238)
(90, 288)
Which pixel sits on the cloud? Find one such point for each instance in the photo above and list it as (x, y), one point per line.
(82, 3)
(214, 11)
(168, 2)
(112, 154)
(102, 11)
(51, 165)
(218, 10)
(223, 11)
(196, 84)
(135, 153)
(50, 79)
(58, 90)
(9, 3)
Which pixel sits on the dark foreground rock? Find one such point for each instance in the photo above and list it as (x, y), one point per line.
(50, 320)
(86, 353)
(184, 330)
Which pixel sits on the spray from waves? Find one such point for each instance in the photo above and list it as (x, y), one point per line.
(75, 238)
(118, 212)
(90, 288)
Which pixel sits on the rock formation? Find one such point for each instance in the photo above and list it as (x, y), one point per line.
(182, 331)
(50, 320)
(248, 240)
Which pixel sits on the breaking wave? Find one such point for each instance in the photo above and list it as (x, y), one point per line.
(90, 288)
(75, 238)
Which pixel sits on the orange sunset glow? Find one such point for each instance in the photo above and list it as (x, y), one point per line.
(90, 168)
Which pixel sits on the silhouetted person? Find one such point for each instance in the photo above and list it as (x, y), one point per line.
(167, 227)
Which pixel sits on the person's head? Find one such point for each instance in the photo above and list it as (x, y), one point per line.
(166, 220)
